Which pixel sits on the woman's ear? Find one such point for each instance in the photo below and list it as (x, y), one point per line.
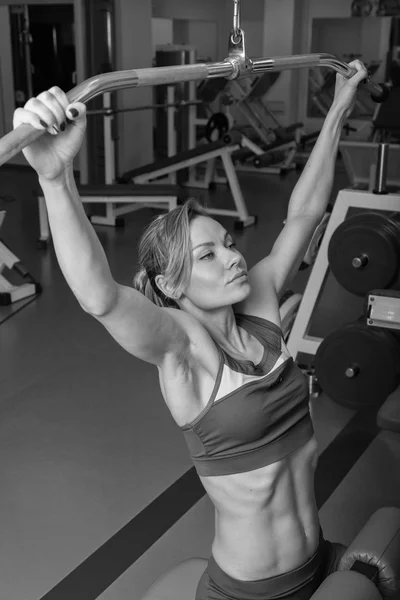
(165, 287)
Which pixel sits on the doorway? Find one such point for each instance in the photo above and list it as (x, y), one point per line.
(43, 49)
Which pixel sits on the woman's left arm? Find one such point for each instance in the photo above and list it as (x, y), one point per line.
(309, 198)
(312, 192)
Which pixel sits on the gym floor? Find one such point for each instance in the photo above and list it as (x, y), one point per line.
(98, 494)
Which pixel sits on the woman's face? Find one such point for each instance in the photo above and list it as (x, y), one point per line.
(216, 262)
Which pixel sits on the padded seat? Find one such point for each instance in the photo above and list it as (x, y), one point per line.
(180, 583)
(171, 161)
(389, 414)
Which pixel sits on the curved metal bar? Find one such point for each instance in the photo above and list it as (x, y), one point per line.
(119, 80)
(16, 140)
(300, 61)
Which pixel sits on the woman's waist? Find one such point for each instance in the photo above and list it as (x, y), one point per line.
(260, 547)
(267, 494)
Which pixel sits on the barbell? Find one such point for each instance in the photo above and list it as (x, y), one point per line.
(236, 66)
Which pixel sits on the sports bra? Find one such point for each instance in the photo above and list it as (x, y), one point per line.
(257, 414)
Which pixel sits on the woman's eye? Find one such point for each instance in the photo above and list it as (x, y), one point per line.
(232, 245)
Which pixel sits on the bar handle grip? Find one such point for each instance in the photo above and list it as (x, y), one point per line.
(380, 93)
(16, 140)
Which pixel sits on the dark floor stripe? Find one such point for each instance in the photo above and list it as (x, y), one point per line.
(341, 455)
(110, 561)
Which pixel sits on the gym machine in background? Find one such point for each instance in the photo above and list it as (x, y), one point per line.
(356, 347)
(19, 283)
(359, 156)
(267, 146)
(236, 66)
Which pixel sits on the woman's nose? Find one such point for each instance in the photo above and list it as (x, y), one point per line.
(232, 259)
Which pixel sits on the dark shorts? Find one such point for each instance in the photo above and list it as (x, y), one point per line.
(299, 584)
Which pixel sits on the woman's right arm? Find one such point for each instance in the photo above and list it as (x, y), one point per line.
(79, 253)
(140, 327)
(145, 330)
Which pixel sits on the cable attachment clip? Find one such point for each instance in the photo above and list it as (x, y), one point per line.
(242, 66)
(236, 35)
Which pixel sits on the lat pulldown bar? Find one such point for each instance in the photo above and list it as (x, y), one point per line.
(236, 66)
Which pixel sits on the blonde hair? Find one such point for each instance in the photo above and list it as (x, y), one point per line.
(164, 249)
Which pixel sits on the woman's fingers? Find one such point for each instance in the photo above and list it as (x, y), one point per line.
(50, 110)
(71, 111)
(37, 113)
(60, 96)
(76, 110)
(362, 72)
(22, 115)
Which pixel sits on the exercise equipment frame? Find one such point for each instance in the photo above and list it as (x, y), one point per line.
(299, 340)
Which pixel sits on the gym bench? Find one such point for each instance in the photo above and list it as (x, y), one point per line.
(154, 196)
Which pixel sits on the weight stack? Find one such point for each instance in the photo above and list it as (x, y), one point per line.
(358, 366)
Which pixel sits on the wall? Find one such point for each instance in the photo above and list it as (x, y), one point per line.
(318, 9)
(191, 10)
(330, 8)
(313, 9)
(278, 40)
(180, 32)
(162, 32)
(203, 35)
(6, 74)
(134, 50)
(254, 37)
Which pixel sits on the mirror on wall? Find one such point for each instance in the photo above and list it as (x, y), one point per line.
(374, 40)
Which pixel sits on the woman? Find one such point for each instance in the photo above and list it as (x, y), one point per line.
(212, 328)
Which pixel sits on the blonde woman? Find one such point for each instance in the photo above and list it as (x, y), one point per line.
(212, 328)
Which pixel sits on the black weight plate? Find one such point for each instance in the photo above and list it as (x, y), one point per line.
(369, 234)
(217, 127)
(372, 351)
